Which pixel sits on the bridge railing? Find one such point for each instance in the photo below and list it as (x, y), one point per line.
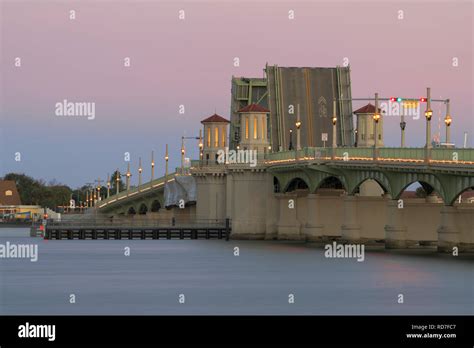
(452, 154)
(127, 222)
(409, 154)
(135, 190)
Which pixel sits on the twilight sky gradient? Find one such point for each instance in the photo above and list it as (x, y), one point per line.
(190, 62)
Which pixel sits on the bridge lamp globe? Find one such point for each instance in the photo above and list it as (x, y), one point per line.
(334, 121)
(428, 114)
(238, 147)
(166, 158)
(298, 124)
(448, 120)
(376, 117)
(403, 125)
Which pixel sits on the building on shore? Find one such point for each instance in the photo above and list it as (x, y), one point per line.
(11, 207)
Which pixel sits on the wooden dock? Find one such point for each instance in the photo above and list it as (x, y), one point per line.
(59, 231)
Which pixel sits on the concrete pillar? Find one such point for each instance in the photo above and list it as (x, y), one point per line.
(448, 233)
(313, 229)
(289, 228)
(395, 230)
(350, 229)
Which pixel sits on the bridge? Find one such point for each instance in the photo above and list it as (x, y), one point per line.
(351, 194)
(301, 195)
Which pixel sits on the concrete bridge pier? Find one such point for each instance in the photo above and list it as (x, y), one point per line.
(395, 230)
(448, 232)
(288, 228)
(313, 228)
(350, 229)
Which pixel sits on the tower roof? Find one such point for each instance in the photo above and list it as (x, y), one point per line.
(253, 108)
(368, 109)
(215, 118)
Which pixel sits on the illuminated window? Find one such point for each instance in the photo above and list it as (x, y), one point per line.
(8, 193)
(246, 128)
(255, 129)
(216, 137)
(208, 137)
(223, 138)
(263, 127)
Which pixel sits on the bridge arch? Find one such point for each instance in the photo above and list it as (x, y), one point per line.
(131, 211)
(428, 181)
(143, 209)
(296, 183)
(355, 178)
(155, 206)
(427, 189)
(457, 196)
(331, 182)
(382, 185)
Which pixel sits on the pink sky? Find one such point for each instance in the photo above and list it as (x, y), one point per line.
(190, 62)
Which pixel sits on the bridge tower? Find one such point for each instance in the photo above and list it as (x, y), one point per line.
(366, 127)
(254, 128)
(215, 137)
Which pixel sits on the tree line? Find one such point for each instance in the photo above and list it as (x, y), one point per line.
(53, 194)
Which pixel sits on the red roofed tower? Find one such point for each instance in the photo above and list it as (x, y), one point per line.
(254, 128)
(365, 127)
(215, 137)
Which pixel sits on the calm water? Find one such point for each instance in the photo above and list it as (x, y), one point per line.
(214, 281)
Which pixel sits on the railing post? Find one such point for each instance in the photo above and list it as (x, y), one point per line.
(227, 229)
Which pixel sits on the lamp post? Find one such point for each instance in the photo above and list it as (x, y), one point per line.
(183, 151)
(152, 166)
(128, 175)
(201, 146)
(291, 140)
(334, 131)
(447, 121)
(166, 164)
(403, 124)
(117, 181)
(87, 199)
(298, 126)
(139, 172)
(376, 118)
(108, 185)
(428, 115)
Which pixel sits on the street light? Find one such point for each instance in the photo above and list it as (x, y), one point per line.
(447, 121)
(428, 115)
(152, 166)
(376, 118)
(291, 140)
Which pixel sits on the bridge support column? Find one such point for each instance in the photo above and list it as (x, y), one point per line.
(350, 228)
(448, 233)
(313, 229)
(289, 228)
(395, 230)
